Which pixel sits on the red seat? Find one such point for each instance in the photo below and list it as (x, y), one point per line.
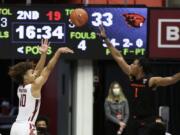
(150, 3)
(121, 2)
(97, 1)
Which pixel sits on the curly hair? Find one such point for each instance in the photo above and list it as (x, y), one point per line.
(17, 71)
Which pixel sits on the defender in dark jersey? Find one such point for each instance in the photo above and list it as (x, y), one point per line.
(142, 108)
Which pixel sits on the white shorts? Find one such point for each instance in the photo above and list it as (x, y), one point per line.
(23, 128)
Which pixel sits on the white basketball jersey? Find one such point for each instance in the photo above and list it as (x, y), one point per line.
(28, 105)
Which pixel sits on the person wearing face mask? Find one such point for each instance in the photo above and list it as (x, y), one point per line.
(116, 110)
(143, 86)
(42, 125)
(31, 78)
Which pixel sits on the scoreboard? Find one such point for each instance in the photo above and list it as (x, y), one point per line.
(22, 28)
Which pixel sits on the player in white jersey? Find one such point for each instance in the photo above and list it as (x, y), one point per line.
(31, 79)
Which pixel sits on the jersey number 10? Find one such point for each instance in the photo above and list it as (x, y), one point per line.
(22, 101)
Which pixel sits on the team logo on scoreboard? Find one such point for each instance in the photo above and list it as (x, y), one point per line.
(168, 33)
(134, 20)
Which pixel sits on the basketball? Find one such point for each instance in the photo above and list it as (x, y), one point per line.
(79, 17)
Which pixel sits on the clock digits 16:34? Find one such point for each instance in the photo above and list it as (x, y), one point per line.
(34, 32)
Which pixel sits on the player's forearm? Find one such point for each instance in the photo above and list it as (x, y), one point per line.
(41, 62)
(173, 79)
(53, 60)
(114, 52)
(168, 80)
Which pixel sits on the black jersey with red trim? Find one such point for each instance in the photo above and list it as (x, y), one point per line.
(143, 103)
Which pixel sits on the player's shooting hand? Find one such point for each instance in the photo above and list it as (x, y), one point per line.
(65, 50)
(44, 46)
(102, 33)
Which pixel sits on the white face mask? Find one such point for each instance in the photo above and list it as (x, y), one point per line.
(116, 91)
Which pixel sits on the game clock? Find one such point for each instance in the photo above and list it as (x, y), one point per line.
(36, 31)
(22, 28)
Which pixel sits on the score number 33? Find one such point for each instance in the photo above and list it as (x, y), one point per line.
(105, 19)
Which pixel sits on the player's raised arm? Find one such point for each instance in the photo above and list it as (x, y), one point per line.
(114, 52)
(164, 81)
(43, 50)
(51, 64)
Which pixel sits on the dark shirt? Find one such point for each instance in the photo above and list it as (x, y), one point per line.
(156, 129)
(143, 101)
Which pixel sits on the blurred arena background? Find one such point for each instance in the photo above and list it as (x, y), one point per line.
(73, 98)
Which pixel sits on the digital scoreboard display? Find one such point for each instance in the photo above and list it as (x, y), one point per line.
(22, 28)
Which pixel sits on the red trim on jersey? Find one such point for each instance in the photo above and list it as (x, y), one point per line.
(35, 109)
(136, 92)
(137, 85)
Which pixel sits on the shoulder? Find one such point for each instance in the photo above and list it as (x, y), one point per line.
(38, 82)
(28, 85)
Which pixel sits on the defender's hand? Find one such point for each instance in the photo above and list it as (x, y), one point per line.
(102, 33)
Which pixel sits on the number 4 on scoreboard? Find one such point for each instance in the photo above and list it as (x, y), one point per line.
(82, 45)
